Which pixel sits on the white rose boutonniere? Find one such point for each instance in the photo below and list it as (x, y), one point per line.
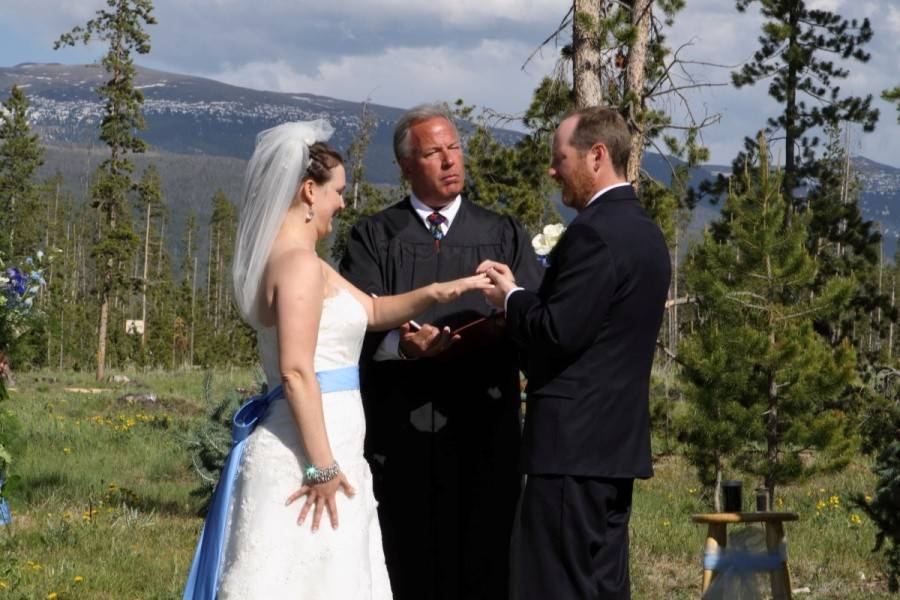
(544, 242)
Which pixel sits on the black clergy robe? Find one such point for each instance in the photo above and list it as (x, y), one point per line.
(443, 433)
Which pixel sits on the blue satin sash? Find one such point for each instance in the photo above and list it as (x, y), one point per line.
(203, 580)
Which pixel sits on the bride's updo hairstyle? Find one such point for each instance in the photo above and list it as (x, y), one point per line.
(322, 159)
(284, 156)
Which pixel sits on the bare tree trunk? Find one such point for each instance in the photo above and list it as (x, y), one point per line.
(771, 424)
(193, 297)
(144, 279)
(717, 492)
(586, 67)
(162, 243)
(641, 17)
(62, 309)
(104, 303)
(673, 340)
(845, 187)
(101, 342)
(880, 291)
(890, 351)
(218, 279)
(208, 273)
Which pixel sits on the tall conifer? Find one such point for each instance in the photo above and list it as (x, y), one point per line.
(20, 157)
(764, 388)
(122, 28)
(796, 57)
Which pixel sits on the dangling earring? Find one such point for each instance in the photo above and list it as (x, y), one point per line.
(309, 214)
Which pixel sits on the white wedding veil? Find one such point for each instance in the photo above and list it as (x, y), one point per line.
(279, 161)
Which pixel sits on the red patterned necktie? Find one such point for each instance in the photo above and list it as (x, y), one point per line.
(435, 220)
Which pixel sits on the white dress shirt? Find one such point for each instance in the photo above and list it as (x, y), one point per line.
(594, 197)
(390, 345)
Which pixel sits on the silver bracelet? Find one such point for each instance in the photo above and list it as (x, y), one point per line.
(317, 476)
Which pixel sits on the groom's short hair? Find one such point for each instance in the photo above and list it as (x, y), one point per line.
(605, 125)
(422, 112)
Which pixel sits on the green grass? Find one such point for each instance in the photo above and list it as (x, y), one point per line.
(105, 496)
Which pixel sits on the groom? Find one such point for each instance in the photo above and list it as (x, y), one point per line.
(589, 333)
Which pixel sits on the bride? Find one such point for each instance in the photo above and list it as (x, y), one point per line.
(262, 537)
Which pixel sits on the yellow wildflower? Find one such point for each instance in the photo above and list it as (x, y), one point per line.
(666, 523)
(779, 502)
(868, 498)
(52, 596)
(78, 579)
(820, 505)
(67, 450)
(3, 585)
(855, 519)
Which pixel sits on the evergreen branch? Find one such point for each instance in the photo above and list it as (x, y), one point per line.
(202, 472)
(800, 314)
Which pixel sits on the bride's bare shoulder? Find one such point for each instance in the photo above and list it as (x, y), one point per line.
(293, 263)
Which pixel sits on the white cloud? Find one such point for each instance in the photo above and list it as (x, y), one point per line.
(407, 51)
(832, 5)
(893, 19)
(488, 74)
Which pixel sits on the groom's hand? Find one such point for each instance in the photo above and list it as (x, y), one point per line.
(427, 341)
(503, 278)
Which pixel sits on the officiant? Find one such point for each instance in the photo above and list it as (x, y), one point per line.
(442, 408)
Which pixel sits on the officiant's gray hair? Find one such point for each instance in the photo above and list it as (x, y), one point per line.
(422, 112)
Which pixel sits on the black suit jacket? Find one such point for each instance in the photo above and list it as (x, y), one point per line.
(589, 333)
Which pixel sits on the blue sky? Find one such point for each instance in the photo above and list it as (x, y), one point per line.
(402, 52)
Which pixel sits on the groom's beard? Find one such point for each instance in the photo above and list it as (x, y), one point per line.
(577, 190)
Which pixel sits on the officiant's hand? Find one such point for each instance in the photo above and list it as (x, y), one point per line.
(427, 341)
(321, 497)
(503, 279)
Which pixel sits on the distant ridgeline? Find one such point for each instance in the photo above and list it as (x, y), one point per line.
(202, 131)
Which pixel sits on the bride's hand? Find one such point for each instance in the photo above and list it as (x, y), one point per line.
(322, 497)
(451, 290)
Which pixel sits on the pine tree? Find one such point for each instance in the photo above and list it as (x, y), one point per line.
(881, 438)
(764, 388)
(511, 180)
(793, 47)
(122, 28)
(365, 198)
(844, 244)
(20, 157)
(893, 95)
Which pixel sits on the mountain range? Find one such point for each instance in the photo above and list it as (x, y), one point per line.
(201, 132)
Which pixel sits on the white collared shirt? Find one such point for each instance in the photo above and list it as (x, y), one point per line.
(604, 190)
(449, 211)
(389, 349)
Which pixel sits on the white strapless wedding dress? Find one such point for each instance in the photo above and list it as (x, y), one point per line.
(267, 555)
